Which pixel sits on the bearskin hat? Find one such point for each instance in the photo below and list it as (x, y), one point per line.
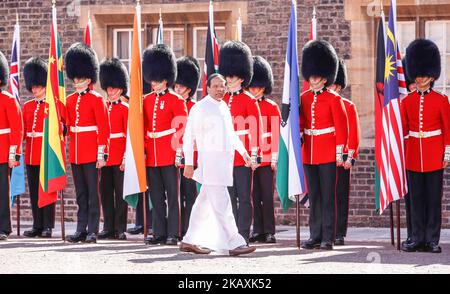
(262, 75)
(423, 59)
(188, 73)
(35, 73)
(4, 70)
(341, 78)
(159, 64)
(82, 62)
(319, 59)
(113, 73)
(235, 59)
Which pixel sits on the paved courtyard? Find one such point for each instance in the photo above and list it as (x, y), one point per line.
(368, 250)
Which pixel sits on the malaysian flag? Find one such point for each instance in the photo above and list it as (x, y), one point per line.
(212, 50)
(392, 164)
(18, 173)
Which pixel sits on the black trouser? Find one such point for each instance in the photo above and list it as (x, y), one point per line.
(426, 205)
(263, 207)
(163, 184)
(321, 181)
(188, 194)
(114, 207)
(408, 214)
(240, 199)
(5, 212)
(342, 201)
(85, 177)
(140, 211)
(43, 218)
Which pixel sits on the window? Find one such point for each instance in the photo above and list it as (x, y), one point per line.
(439, 32)
(199, 45)
(122, 43)
(406, 31)
(173, 37)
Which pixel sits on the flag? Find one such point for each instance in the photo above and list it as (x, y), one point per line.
(238, 33)
(212, 50)
(392, 165)
(312, 36)
(135, 181)
(61, 84)
(290, 178)
(52, 174)
(18, 173)
(160, 32)
(379, 100)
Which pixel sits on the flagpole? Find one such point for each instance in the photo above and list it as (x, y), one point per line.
(391, 219)
(398, 224)
(297, 219)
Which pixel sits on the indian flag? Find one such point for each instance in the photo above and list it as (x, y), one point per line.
(290, 177)
(135, 181)
(52, 176)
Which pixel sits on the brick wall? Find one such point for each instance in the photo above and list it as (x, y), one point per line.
(265, 33)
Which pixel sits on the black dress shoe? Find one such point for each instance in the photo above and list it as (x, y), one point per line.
(46, 233)
(77, 237)
(339, 241)
(172, 241)
(121, 236)
(270, 238)
(91, 238)
(136, 230)
(326, 246)
(434, 248)
(255, 237)
(3, 237)
(413, 247)
(32, 233)
(106, 235)
(154, 240)
(311, 244)
(406, 242)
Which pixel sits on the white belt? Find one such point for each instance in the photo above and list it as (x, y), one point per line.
(5, 131)
(35, 134)
(243, 132)
(155, 135)
(318, 132)
(422, 134)
(117, 135)
(83, 129)
(266, 135)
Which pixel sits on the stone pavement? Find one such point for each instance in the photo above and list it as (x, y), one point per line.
(367, 250)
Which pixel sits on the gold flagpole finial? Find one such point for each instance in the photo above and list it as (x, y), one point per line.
(381, 4)
(17, 17)
(160, 13)
(53, 2)
(314, 11)
(138, 2)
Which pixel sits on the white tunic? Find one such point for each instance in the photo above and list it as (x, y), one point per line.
(210, 126)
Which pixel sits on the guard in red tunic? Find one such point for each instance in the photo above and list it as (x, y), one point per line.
(325, 130)
(11, 133)
(263, 177)
(165, 116)
(35, 75)
(425, 117)
(236, 65)
(89, 131)
(114, 81)
(186, 86)
(350, 155)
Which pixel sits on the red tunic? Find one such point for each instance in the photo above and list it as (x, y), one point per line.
(11, 126)
(163, 113)
(430, 113)
(33, 120)
(247, 119)
(118, 118)
(271, 120)
(92, 112)
(325, 111)
(354, 131)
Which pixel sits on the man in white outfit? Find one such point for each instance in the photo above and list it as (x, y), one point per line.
(210, 129)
